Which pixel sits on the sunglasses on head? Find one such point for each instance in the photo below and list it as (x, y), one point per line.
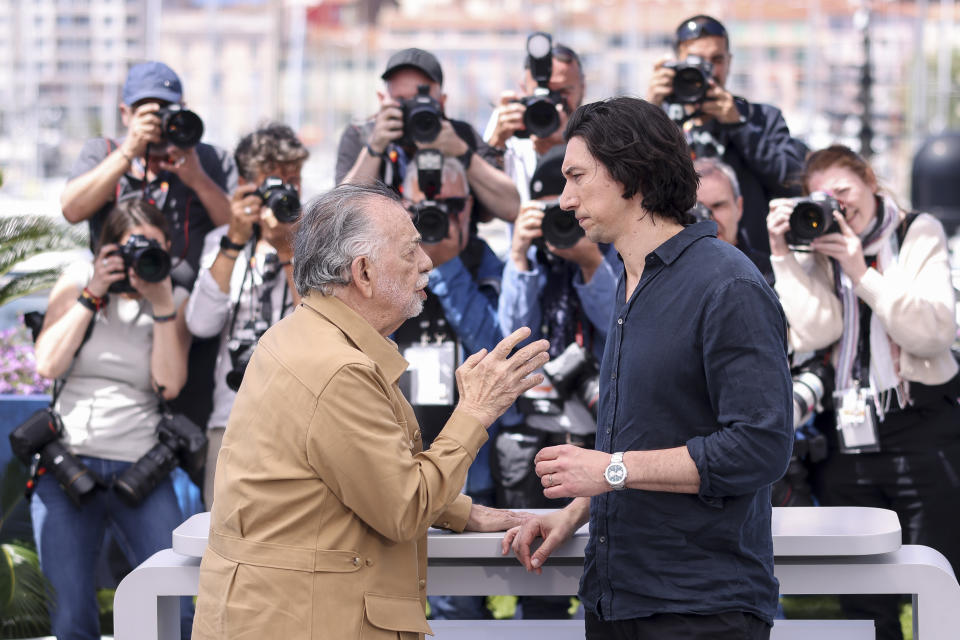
(698, 27)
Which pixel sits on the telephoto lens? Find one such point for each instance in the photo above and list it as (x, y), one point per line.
(281, 198)
(181, 127)
(560, 228)
(431, 221)
(77, 481)
(812, 217)
(140, 478)
(147, 259)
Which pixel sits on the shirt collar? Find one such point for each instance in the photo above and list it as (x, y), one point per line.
(672, 248)
(381, 350)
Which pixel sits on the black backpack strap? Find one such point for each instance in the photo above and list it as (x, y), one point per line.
(905, 226)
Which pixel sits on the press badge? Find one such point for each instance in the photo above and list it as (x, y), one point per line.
(856, 420)
(432, 366)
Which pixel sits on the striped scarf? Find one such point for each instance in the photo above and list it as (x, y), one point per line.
(880, 241)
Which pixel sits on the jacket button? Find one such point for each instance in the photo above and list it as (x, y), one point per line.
(356, 561)
(423, 584)
(369, 562)
(416, 434)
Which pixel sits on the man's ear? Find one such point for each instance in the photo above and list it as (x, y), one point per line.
(362, 273)
(126, 113)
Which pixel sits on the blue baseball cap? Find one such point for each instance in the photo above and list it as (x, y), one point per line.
(152, 80)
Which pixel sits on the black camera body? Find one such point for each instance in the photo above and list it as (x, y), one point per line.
(422, 118)
(812, 217)
(280, 197)
(540, 117)
(575, 374)
(180, 443)
(37, 441)
(700, 212)
(147, 259)
(430, 216)
(240, 347)
(560, 227)
(181, 127)
(691, 79)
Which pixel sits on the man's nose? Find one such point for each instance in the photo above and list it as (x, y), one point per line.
(567, 201)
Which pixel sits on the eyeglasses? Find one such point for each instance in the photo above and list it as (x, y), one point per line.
(700, 26)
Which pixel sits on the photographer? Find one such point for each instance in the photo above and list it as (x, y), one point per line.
(752, 138)
(383, 147)
(188, 184)
(245, 283)
(564, 295)
(113, 352)
(870, 283)
(506, 131)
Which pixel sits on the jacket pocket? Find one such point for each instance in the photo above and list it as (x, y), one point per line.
(385, 616)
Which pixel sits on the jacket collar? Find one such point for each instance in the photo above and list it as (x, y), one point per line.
(381, 350)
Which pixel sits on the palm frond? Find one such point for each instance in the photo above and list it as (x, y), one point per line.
(24, 611)
(27, 283)
(24, 236)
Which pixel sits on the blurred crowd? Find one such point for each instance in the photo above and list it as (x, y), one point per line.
(193, 249)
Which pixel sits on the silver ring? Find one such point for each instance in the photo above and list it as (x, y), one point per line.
(104, 262)
(549, 479)
(248, 210)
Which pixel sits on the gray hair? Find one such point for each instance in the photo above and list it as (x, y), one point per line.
(334, 230)
(452, 170)
(709, 166)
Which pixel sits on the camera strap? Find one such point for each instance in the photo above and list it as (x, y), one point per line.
(62, 380)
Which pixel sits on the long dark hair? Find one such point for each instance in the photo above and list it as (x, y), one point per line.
(128, 214)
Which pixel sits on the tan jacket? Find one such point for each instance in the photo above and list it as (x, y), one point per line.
(913, 298)
(323, 493)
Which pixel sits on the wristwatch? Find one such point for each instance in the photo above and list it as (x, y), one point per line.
(230, 245)
(616, 472)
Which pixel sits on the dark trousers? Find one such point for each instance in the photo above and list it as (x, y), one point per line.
(735, 625)
(916, 474)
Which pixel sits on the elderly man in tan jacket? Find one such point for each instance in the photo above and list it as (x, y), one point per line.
(323, 491)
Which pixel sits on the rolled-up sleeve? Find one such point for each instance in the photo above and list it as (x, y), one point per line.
(749, 385)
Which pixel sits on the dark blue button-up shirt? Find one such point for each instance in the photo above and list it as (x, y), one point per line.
(696, 358)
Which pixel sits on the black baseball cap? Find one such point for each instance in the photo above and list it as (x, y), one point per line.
(547, 178)
(699, 26)
(418, 59)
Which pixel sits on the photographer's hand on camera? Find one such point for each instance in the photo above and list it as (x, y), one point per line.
(245, 210)
(778, 224)
(107, 269)
(185, 163)
(661, 82)
(489, 382)
(526, 229)
(278, 234)
(509, 119)
(719, 104)
(844, 247)
(145, 128)
(387, 126)
(448, 142)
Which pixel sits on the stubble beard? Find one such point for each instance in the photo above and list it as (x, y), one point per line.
(399, 298)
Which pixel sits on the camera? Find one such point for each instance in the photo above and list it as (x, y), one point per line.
(430, 216)
(700, 213)
(575, 374)
(813, 382)
(180, 442)
(240, 347)
(422, 117)
(812, 217)
(691, 79)
(540, 118)
(181, 127)
(37, 441)
(560, 228)
(281, 198)
(147, 259)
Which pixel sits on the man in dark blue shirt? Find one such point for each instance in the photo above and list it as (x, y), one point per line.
(695, 402)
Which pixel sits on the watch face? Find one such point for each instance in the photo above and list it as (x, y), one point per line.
(616, 473)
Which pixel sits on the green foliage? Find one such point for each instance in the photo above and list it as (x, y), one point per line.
(24, 591)
(25, 236)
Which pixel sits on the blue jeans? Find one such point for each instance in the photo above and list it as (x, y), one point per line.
(69, 539)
